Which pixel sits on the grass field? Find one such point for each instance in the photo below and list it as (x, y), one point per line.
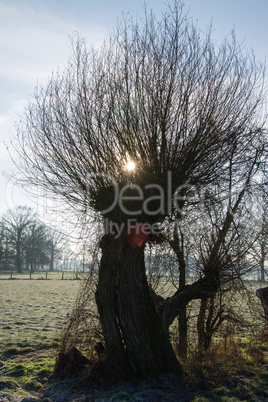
(33, 312)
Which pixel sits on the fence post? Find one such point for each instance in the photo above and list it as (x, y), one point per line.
(11, 273)
(30, 275)
(46, 274)
(62, 277)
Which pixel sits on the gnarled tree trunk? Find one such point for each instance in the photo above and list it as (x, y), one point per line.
(133, 331)
(106, 302)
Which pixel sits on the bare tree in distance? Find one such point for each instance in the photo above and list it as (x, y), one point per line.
(56, 245)
(27, 242)
(186, 113)
(16, 223)
(36, 245)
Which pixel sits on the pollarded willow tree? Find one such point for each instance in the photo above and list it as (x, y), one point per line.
(162, 95)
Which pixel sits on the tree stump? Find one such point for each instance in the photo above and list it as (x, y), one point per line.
(70, 363)
(263, 296)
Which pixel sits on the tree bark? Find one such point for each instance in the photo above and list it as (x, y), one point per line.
(18, 255)
(202, 288)
(262, 263)
(128, 314)
(263, 296)
(106, 302)
(203, 339)
(183, 333)
(177, 245)
(51, 262)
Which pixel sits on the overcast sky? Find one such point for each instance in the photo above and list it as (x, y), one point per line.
(34, 40)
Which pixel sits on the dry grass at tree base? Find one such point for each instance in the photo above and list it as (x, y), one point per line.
(242, 307)
(33, 314)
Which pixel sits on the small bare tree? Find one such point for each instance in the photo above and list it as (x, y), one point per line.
(259, 217)
(16, 223)
(36, 245)
(56, 244)
(161, 95)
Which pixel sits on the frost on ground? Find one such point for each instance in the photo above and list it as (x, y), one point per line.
(163, 388)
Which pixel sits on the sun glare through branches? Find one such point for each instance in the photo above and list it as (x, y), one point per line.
(130, 166)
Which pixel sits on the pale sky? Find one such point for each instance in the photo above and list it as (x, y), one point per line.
(34, 40)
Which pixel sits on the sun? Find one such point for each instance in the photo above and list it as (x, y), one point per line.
(130, 166)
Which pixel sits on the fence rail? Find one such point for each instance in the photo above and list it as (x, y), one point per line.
(43, 275)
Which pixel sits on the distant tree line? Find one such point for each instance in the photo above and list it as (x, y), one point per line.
(26, 243)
